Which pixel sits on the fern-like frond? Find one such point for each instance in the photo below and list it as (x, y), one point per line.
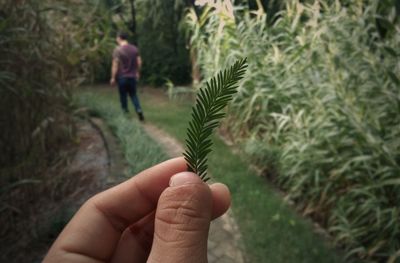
(206, 116)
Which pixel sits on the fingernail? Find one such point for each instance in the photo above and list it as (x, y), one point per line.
(183, 179)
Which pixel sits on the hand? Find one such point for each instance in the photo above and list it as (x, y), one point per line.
(138, 75)
(161, 215)
(112, 82)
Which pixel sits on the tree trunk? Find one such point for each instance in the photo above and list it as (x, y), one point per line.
(132, 26)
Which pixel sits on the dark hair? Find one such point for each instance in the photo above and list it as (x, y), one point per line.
(123, 35)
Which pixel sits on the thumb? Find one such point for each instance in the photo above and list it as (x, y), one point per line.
(182, 221)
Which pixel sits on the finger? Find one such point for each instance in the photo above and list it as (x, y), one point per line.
(182, 221)
(95, 230)
(221, 199)
(135, 243)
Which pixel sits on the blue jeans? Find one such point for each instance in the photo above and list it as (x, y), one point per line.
(127, 86)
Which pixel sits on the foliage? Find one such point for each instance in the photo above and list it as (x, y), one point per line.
(206, 115)
(131, 22)
(40, 60)
(155, 27)
(320, 102)
(46, 49)
(162, 46)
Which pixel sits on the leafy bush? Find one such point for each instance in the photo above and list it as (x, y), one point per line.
(322, 96)
(42, 60)
(46, 49)
(162, 45)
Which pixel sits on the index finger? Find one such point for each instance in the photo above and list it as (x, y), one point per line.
(95, 230)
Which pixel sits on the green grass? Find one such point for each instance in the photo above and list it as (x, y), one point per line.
(272, 232)
(140, 151)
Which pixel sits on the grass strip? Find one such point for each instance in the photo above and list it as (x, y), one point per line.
(140, 151)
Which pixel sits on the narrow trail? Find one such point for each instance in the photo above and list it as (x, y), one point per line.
(224, 236)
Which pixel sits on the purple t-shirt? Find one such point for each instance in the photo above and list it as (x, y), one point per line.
(127, 60)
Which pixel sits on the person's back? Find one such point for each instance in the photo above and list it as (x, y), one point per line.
(125, 71)
(127, 60)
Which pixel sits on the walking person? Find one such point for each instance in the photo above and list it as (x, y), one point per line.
(126, 64)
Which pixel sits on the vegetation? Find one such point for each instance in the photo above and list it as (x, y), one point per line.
(318, 110)
(206, 115)
(41, 60)
(162, 45)
(155, 27)
(40, 63)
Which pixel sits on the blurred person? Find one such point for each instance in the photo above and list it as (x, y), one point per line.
(126, 65)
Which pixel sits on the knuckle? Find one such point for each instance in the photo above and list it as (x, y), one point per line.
(183, 210)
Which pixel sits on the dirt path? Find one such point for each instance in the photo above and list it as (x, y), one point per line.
(224, 237)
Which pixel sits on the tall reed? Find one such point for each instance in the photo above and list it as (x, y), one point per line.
(319, 110)
(47, 48)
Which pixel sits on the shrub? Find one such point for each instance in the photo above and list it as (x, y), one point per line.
(41, 60)
(46, 49)
(162, 45)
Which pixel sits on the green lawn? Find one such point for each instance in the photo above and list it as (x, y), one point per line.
(271, 230)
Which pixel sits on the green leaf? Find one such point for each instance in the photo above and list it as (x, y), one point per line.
(206, 116)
